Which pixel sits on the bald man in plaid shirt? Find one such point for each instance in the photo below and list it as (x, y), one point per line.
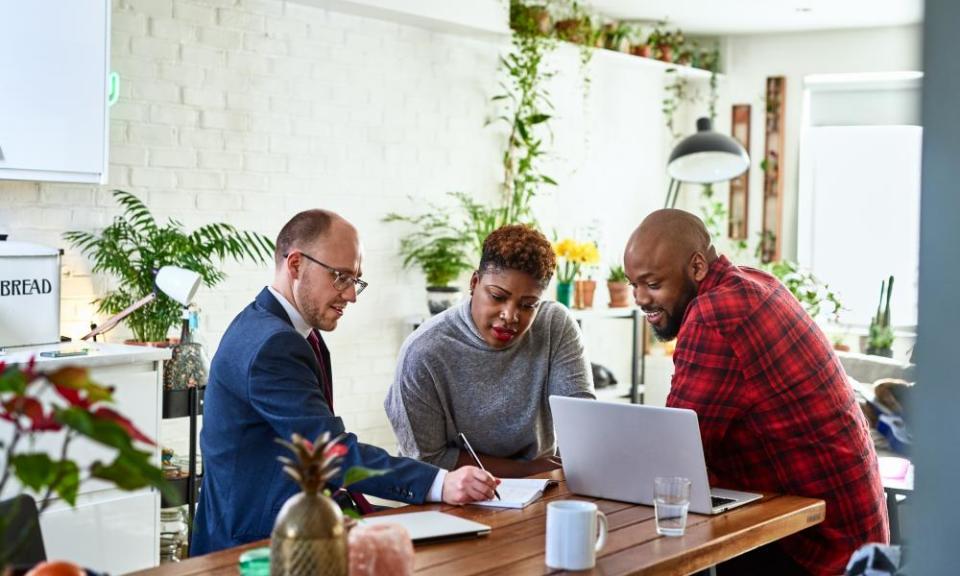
(776, 411)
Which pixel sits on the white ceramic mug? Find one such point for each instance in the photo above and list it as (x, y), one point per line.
(572, 537)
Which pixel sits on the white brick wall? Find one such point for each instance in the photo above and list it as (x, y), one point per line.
(247, 112)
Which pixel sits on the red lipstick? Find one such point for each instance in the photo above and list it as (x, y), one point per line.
(503, 334)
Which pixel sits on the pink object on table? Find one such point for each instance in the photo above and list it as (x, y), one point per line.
(380, 549)
(893, 467)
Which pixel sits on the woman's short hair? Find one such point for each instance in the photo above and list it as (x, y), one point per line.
(519, 247)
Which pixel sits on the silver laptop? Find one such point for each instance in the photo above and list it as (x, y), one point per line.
(614, 451)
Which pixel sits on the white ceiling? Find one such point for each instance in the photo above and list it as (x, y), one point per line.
(759, 16)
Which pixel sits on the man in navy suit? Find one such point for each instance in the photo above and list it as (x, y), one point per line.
(271, 377)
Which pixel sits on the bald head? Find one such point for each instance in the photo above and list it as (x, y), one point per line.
(303, 230)
(670, 235)
(667, 257)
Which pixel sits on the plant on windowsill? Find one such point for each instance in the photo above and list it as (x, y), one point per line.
(35, 404)
(619, 287)
(135, 246)
(880, 337)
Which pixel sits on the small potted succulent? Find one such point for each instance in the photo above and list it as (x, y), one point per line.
(577, 28)
(530, 19)
(616, 36)
(639, 45)
(619, 287)
(880, 336)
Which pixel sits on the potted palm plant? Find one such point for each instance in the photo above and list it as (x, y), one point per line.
(440, 249)
(134, 246)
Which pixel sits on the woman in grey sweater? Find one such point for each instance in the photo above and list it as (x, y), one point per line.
(486, 367)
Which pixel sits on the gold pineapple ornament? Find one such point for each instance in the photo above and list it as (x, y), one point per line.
(308, 536)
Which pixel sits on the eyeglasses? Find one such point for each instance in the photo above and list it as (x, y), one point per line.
(341, 281)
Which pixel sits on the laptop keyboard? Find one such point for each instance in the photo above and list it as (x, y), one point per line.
(717, 501)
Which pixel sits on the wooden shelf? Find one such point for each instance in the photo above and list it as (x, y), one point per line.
(687, 72)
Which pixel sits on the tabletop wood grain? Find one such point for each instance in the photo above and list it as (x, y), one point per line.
(516, 543)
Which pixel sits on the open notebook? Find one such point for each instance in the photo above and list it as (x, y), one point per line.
(518, 492)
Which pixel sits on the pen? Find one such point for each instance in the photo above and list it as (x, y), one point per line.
(469, 448)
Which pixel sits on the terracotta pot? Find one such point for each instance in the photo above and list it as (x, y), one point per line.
(570, 30)
(583, 292)
(619, 294)
(643, 50)
(309, 538)
(154, 344)
(542, 18)
(666, 53)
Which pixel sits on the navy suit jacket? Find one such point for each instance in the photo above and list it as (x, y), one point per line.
(265, 384)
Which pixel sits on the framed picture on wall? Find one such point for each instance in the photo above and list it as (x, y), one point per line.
(772, 166)
(740, 186)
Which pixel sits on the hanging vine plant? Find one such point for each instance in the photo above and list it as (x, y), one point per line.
(526, 109)
(524, 106)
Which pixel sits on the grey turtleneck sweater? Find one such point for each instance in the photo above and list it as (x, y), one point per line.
(449, 380)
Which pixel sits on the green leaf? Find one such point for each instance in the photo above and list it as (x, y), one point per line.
(38, 472)
(34, 471)
(12, 379)
(67, 484)
(359, 474)
(132, 470)
(75, 419)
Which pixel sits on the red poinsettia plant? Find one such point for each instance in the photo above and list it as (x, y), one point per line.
(68, 403)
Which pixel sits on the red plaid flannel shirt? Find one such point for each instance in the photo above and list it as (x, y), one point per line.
(776, 411)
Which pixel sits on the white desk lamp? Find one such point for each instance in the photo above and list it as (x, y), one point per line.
(178, 283)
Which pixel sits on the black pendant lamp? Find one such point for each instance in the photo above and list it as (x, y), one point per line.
(704, 158)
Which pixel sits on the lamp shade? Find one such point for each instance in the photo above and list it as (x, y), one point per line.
(707, 156)
(178, 283)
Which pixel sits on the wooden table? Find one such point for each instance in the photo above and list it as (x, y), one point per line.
(516, 544)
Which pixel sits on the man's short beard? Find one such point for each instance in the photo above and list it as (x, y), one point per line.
(675, 316)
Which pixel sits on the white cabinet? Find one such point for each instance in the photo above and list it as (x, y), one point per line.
(53, 90)
(109, 530)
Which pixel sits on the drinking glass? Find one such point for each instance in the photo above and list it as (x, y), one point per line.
(671, 499)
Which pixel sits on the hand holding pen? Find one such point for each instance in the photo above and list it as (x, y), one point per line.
(466, 444)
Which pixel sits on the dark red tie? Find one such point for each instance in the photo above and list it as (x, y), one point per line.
(327, 387)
